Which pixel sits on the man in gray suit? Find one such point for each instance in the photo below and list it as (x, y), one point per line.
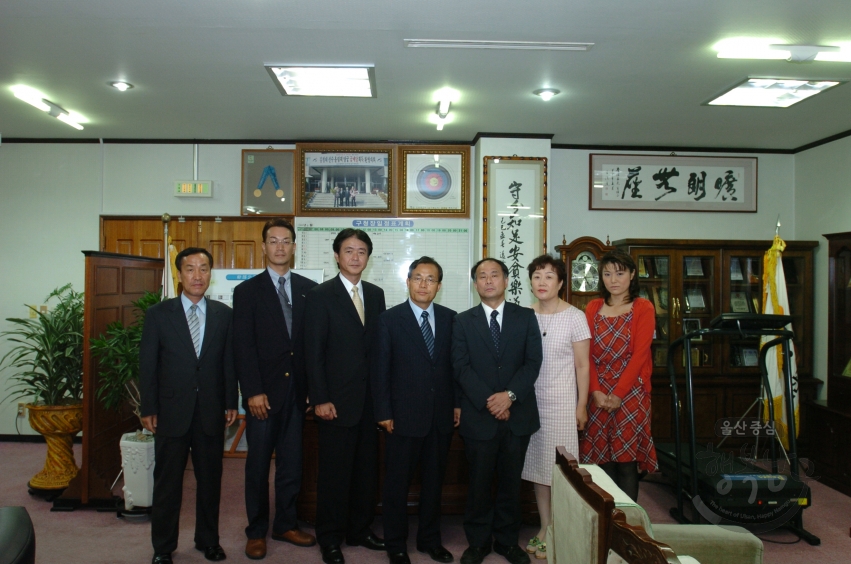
(189, 392)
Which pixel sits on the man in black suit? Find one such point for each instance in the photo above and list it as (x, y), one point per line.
(341, 319)
(268, 322)
(189, 392)
(496, 353)
(414, 393)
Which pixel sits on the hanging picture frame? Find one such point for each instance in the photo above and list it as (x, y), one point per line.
(267, 182)
(514, 212)
(434, 180)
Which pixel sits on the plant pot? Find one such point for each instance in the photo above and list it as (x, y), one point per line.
(137, 460)
(58, 424)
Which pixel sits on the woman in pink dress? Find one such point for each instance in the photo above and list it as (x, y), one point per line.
(622, 325)
(561, 389)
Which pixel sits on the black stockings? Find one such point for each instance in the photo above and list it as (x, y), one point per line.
(625, 475)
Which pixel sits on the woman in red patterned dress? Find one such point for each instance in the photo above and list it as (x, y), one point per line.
(617, 435)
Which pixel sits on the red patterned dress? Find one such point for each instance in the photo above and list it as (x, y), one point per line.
(623, 435)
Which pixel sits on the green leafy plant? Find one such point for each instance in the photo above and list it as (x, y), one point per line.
(117, 351)
(47, 352)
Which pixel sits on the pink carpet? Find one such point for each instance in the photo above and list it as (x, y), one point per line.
(88, 536)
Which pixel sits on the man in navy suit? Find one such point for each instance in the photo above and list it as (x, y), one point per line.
(268, 322)
(496, 354)
(189, 392)
(341, 319)
(414, 393)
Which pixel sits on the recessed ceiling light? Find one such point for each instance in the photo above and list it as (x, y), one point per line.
(517, 45)
(776, 49)
(772, 92)
(348, 81)
(122, 86)
(546, 93)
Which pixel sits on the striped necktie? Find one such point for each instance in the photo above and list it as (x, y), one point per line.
(425, 327)
(195, 328)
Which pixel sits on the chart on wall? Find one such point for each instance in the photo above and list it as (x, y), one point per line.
(396, 244)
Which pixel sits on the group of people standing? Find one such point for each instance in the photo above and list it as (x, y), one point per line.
(515, 381)
(345, 197)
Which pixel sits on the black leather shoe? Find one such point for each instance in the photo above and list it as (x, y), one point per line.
(399, 558)
(513, 554)
(370, 541)
(332, 554)
(475, 554)
(212, 553)
(162, 559)
(437, 553)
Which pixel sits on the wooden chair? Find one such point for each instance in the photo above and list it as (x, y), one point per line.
(632, 545)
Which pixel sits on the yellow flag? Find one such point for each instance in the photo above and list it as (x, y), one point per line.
(776, 301)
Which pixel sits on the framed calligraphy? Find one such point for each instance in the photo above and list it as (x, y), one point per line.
(433, 180)
(338, 179)
(267, 182)
(515, 217)
(672, 183)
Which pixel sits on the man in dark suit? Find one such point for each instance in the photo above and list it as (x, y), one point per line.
(414, 393)
(268, 322)
(341, 319)
(496, 353)
(189, 392)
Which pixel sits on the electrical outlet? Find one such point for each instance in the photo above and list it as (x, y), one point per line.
(32, 311)
(42, 308)
(22, 409)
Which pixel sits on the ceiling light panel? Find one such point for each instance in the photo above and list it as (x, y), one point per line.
(772, 92)
(516, 45)
(345, 81)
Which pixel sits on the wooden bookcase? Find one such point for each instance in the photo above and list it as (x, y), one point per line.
(691, 283)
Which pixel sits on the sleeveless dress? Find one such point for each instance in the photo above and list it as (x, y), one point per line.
(623, 435)
(555, 391)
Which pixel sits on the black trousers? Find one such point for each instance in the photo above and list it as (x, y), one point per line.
(486, 518)
(170, 465)
(279, 433)
(347, 481)
(402, 455)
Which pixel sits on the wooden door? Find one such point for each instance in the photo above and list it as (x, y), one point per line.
(233, 244)
(143, 236)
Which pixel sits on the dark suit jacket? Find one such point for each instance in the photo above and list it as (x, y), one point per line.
(482, 371)
(409, 386)
(337, 348)
(269, 360)
(171, 377)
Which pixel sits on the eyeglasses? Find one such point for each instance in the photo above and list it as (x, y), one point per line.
(281, 242)
(419, 280)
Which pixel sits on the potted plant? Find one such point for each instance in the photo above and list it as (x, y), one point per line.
(117, 351)
(47, 360)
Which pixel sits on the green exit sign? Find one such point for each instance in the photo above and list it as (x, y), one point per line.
(193, 188)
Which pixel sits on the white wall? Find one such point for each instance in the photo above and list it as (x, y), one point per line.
(823, 206)
(52, 195)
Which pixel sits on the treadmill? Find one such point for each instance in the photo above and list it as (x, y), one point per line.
(722, 488)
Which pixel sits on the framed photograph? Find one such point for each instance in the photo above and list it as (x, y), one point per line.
(267, 182)
(739, 302)
(694, 266)
(670, 183)
(736, 270)
(434, 180)
(335, 179)
(660, 300)
(694, 299)
(514, 210)
(662, 267)
(660, 357)
(750, 357)
(691, 325)
(643, 271)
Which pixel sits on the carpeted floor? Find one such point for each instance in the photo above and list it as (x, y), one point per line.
(88, 536)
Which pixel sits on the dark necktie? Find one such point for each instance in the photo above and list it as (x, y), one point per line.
(495, 328)
(285, 305)
(425, 327)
